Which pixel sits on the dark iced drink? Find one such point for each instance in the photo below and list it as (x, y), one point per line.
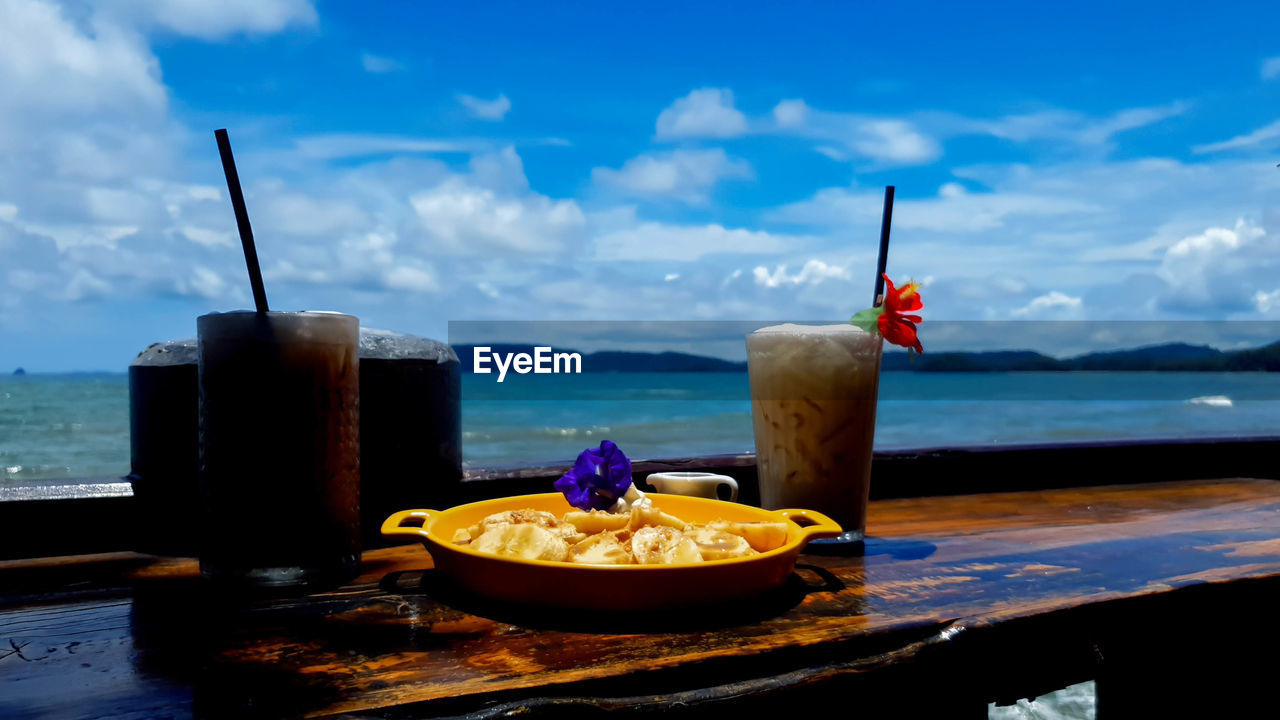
(279, 447)
(410, 426)
(163, 454)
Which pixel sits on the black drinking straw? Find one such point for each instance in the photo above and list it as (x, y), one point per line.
(242, 220)
(885, 219)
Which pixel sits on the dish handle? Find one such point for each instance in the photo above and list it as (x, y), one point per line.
(817, 525)
(394, 525)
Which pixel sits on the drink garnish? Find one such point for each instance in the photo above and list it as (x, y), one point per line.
(891, 318)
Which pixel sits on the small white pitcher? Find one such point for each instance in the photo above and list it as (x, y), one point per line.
(693, 484)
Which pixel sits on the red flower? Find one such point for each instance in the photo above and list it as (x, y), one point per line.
(895, 324)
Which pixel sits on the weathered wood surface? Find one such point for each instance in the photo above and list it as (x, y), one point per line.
(972, 598)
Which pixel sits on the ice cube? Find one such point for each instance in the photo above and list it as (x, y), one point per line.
(378, 344)
(173, 352)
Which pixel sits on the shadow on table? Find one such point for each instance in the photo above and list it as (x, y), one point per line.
(898, 549)
(219, 655)
(806, 580)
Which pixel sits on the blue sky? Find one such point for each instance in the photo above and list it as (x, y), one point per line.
(416, 163)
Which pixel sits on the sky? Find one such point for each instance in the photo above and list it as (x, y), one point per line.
(416, 163)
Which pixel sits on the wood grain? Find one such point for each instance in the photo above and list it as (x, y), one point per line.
(944, 583)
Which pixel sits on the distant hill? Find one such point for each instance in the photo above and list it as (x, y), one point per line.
(607, 361)
(999, 361)
(1171, 357)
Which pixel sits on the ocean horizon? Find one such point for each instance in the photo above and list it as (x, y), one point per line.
(76, 425)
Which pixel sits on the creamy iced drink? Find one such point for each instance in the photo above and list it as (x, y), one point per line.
(813, 407)
(279, 447)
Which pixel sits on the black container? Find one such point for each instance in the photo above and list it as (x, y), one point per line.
(410, 430)
(163, 449)
(410, 426)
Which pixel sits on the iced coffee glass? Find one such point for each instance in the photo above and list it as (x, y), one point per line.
(279, 447)
(813, 408)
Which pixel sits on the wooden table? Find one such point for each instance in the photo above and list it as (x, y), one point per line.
(1159, 591)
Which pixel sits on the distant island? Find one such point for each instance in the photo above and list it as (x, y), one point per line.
(616, 361)
(19, 371)
(1171, 357)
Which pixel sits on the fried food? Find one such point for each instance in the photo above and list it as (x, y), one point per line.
(716, 544)
(762, 536)
(663, 545)
(596, 521)
(606, 548)
(644, 535)
(539, 518)
(645, 514)
(526, 541)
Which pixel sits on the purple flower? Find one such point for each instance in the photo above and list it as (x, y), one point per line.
(598, 478)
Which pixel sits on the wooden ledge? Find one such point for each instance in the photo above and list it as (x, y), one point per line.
(977, 598)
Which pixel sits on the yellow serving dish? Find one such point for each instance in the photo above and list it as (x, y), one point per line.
(610, 587)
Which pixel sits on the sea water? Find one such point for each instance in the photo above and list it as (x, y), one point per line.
(77, 425)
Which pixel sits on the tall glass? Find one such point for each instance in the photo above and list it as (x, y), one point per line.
(279, 447)
(813, 408)
(164, 456)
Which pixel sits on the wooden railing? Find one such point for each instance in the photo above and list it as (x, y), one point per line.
(108, 522)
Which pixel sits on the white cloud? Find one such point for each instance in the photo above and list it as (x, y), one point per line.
(292, 213)
(951, 212)
(706, 112)
(848, 136)
(832, 153)
(1271, 68)
(207, 237)
(495, 109)
(1056, 305)
(1208, 267)
(211, 20)
(49, 65)
(1066, 126)
(379, 64)
(813, 272)
(461, 218)
(1262, 137)
(685, 175)
(1267, 301)
(411, 279)
(84, 285)
(687, 243)
(341, 145)
(1097, 229)
(790, 113)
(285, 271)
(1213, 241)
(915, 140)
(205, 283)
(894, 141)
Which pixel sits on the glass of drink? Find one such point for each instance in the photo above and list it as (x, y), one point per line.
(279, 447)
(163, 453)
(813, 409)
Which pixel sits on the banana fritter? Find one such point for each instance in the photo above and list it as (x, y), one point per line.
(643, 536)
